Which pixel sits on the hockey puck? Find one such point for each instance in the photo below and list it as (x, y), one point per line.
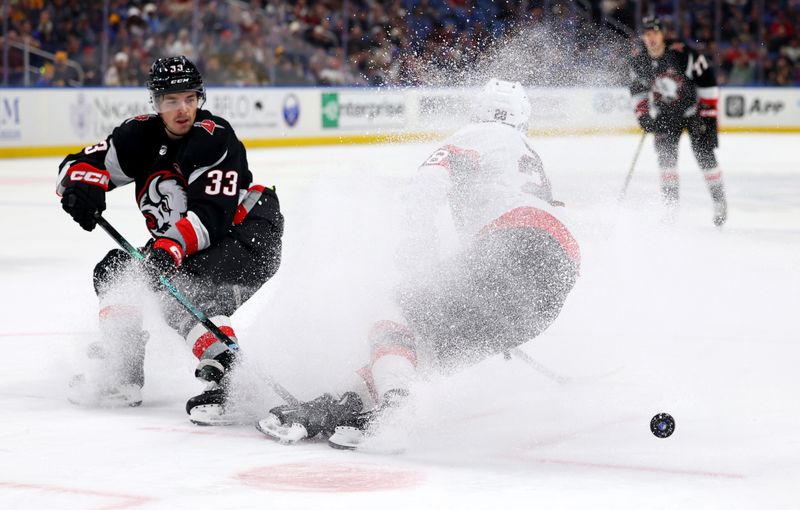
(662, 425)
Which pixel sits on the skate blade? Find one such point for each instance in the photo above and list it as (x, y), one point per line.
(212, 415)
(274, 429)
(86, 394)
(354, 439)
(102, 403)
(346, 438)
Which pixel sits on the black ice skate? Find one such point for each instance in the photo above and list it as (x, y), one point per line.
(212, 407)
(209, 407)
(351, 435)
(295, 422)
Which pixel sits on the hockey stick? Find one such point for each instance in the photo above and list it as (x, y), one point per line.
(198, 314)
(628, 177)
(522, 355)
(560, 379)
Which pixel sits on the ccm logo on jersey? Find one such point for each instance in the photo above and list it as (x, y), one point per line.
(86, 173)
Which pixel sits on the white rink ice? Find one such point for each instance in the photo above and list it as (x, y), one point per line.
(682, 318)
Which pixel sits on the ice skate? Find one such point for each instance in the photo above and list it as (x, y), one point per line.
(294, 422)
(670, 214)
(720, 212)
(211, 407)
(286, 432)
(87, 391)
(115, 379)
(670, 196)
(380, 421)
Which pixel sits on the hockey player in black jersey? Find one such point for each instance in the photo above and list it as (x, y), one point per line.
(674, 89)
(215, 235)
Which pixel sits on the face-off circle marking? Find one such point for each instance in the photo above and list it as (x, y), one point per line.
(331, 477)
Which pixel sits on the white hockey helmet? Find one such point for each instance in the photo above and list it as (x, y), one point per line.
(503, 101)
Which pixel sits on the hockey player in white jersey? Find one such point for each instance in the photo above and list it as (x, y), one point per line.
(516, 264)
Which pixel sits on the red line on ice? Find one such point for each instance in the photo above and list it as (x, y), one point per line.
(130, 501)
(45, 333)
(625, 467)
(24, 180)
(331, 477)
(632, 467)
(199, 432)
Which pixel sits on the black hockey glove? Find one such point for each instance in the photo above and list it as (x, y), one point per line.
(708, 114)
(708, 129)
(82, 200)
(647, 123)
(642, 111)
(163, 258)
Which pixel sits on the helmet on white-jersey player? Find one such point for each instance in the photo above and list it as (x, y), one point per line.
(505, 102)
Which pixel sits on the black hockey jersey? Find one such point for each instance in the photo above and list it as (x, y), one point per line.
(188, 189)
(673, 81)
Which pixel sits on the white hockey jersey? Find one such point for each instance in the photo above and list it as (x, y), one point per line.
(491, 178)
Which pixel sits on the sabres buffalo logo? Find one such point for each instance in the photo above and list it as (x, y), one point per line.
(667, 88)
(162, 201)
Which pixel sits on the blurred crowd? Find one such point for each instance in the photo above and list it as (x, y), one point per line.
(391, 42)
(759, 41)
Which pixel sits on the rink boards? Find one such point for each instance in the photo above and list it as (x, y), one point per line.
(41, 122)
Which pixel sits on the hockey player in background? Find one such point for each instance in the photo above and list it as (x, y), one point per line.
(674, 89)
(514, 267)
(215, 235)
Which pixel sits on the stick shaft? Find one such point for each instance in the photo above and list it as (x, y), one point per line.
(519, 353)
(198, 314)
(628, 177)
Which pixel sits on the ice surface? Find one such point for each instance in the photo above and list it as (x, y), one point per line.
(683, 319)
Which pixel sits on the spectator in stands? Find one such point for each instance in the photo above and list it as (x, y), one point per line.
(780, 32)
(182, 45)
(322, 36)
(151, 18)
(16, 64)
(386, 42)
(45, 29)
(783, 74)
(46, 76)
(92, 75)
(63, 75)
(792, 50)
(244, 73)
(742, 73)
(26, 34)
(287, 71)
(119, 74)
(330, 72)
(213, 74)
(85, 35)
(135, 23)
